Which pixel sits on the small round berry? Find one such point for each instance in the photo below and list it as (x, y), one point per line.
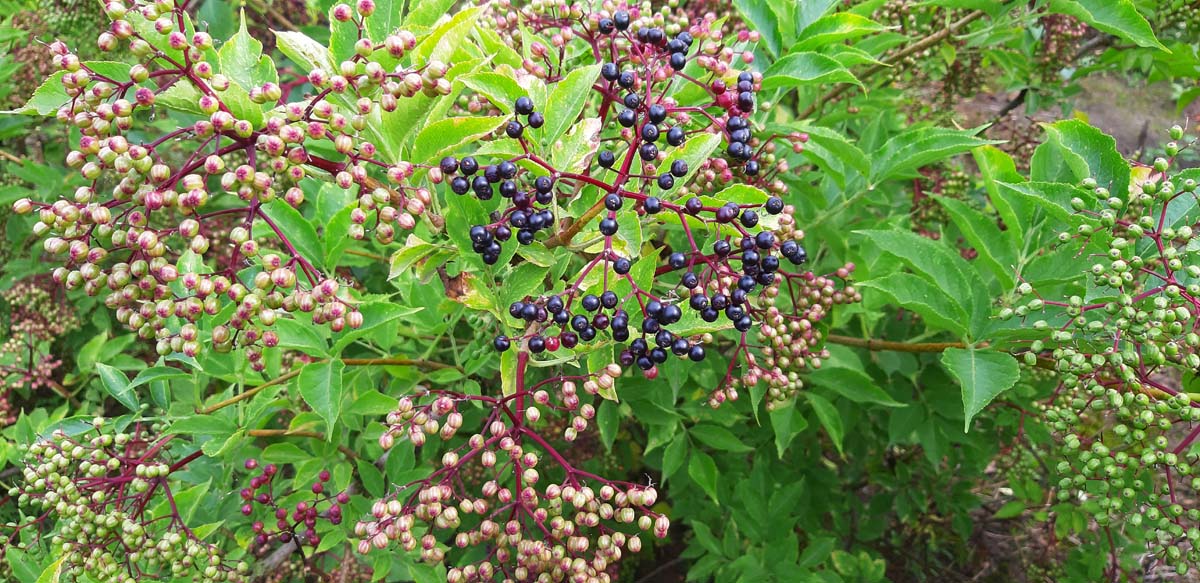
(695, 205)
(749, 218)
(449, 165)
(590, 303)
(677, 260)
(632, 100)
(774, 204)
(675, 136)
(606, 159)
(537, 344)
(621, 20)
(468, 165)
(612, 201)
(608, 227)
(751, 168)
(609, 299)
(650, 132)
(610, 71)
(536, 120)
(666, 181)
(543, 184)
(679, 168)
(648, 152)
(514, 129)
(626, 79)
(622, 266)
(677, 61)
(627, 118)
(652, 205)
(696, 353)
(523, 105)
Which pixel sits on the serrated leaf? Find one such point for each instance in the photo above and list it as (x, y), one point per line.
(500, 89)
(829, 417)
(47, 98)
(919, 147)
(608, 420)
(298, 231)
(444, 136)
(806, 68)
(718, 438)
(508, 372)
(983, 374)
(320, 385)
(299, 335)
(931, 302)
(786, 425)
(835, 28)
(565, 102)
(694, 151)
(1089, 153)
(703, 471)
(1116, 17)
(157, 373)
(303, 50)
(117, 384)
(853, 384)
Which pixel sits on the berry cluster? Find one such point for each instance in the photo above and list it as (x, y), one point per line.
(100, 491)
(1061, 37)
(36, 318)
(509, 489)
(295, 513)
(1116, 410)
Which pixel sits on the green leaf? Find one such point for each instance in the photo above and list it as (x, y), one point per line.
(444, 41)
(833, 152)
(1116, 17)
(565, 103)
(853, 384)
(243, 62)
(182, 96)
(673, 456)
(694, 151)
(918, 294)
(835, 28)
(444, 136)
(284, 453)
(300, 335)
(53, 572)
(321, 387)
(787, 425)
(1089, 153)
(806, 68)
(608, 420)
(298, 231)
(703, 471)
(983, 374)
(829, 417)
(508, 372)
(304, 51)
(500, 89)
(764, 19)
(919, 147)
(157, 373)
(718, 438)
(996, 248)
(117, 385)
(928, 258)
(47, 98)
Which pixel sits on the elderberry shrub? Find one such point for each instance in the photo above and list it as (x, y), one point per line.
(1127, 328)
(109, 491)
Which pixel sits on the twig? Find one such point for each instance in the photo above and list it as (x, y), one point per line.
(872, 344)
(917, 47)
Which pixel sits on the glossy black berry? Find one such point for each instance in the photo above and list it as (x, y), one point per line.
(656, 113)
(689, 280)
(590, 302)
(658, 355)
(627, 118)
(736, 123)
(693, 205)
(746, 101)
(671, 314)
(621, 19)
(751, 168)
(612, 201)
(606, 159)
(774, 204)
(606, 26)
(514, 129)
(677, 260)
(722, 248)
(524, 236)
(680, 347)
(502, 233)
(736, 149)
(610, 71)
(652, 205)
(506, 169)
(468, 165)
(626, 79)
(554, 305)
(608, 227)
(568, 339)
(523, 105)
(650, 326)
(648, 151)
(478, 234)
(609, 299)
(501, 343)
(543, 184)
(666, 181)
(650, 132)
(653, 308)
(677, 61)
(679, 168)
(460, 185)
(675, 136)
(508, 188)
(764, 240)
(696, 353)
(622, 266)
(698, 302)
(536, 120)
(449, 165)
(749, 218)
(632, 100)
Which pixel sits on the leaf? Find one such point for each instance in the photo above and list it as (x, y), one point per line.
(806, 68)
(1116, 17)
(607, 421)
(833, 152)
(565, 103)
(983, 374)
(907, 151)
(375, 315)
(508, 372)
(673, 456)
(157, 373)
(53, 572)
(911, 292)
(764, 20)
(294, 228)
(321, 387)
(787, 425)
(718, 438)
(703, 471)
(834, 28)
(694, 151)
(296, 334)
(304, 51)
(996, 249)
(446, 135)
(284, 453)
(853, 384)
(243, 62)
(500, 89)
(182, 96)
(117, 385)
(47, 98)
(829, 417)
(1090, 153)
